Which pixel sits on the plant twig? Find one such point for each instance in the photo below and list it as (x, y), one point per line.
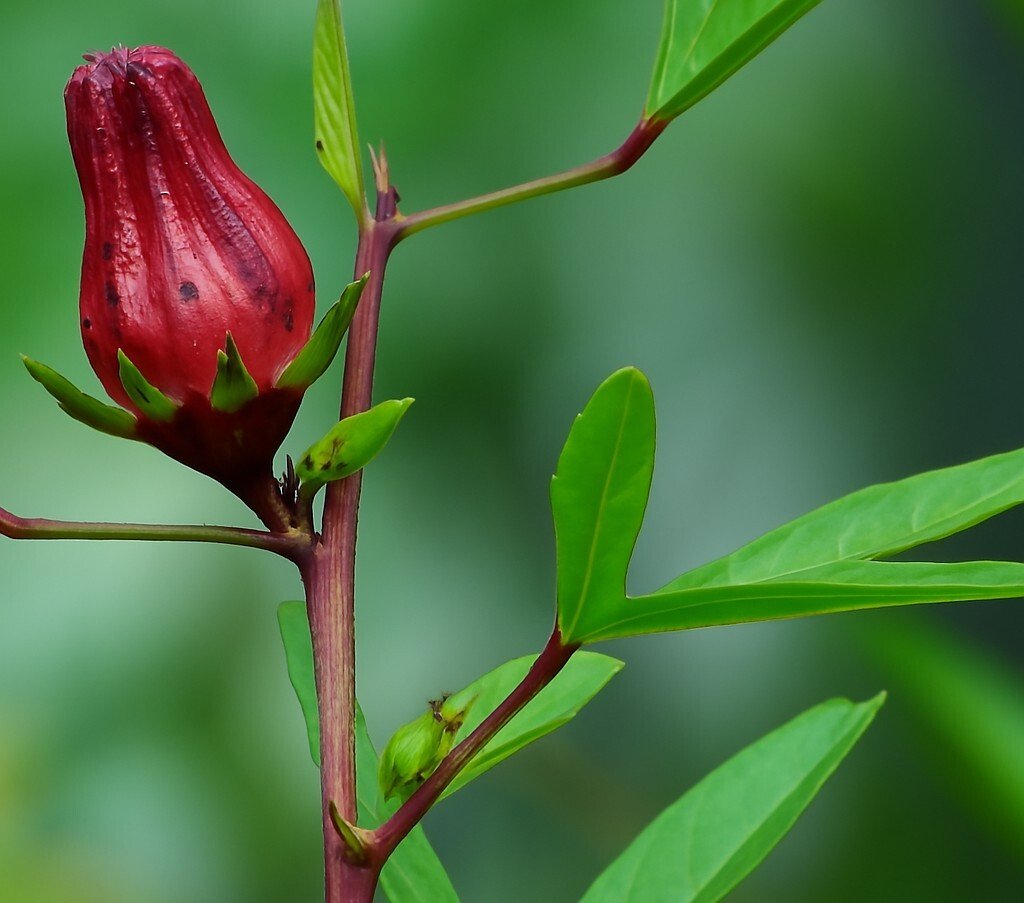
(547, 665)
(289, 545)
(613, 164)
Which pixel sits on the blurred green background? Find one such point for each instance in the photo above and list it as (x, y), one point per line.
(819, 268)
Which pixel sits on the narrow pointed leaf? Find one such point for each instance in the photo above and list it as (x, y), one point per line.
(233, 387)
(875, 522)
(84, 408)
(703, 42)
(598, 497)
(312, 362)
(337, 138)
(702, 846)
(413, 874)
(298, 650)
(846, 586)
(350, 445)
(558, 703)
(147, 397)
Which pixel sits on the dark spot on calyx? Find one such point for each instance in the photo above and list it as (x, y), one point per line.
(108, 250)
(319, 144)
(113, 298)
(87, 323)
(188, 291)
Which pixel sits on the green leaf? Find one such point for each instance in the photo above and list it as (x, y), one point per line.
(350, 445)
(337, 138)
(703, 42)
(558, 703)
(313, 360)
(298, 650)
(875, 522)
(233, 387)
(413, 874)
(846, 586)
(147, 397)
(702, 846)
(971, 705)
(84, 408)
(598, 497)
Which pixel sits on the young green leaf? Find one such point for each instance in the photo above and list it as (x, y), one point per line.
(337, 138)
(702, 846)
(703, 42)
(845, 586)
(558, 703)
(350, 445)
(875, 522)
(413, 874)
(233, 387)
(598, 497)
(313, 360)
(147, 397)
(971, 706)
(84, 408)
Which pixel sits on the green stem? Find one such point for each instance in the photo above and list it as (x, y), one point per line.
(613, 164)
(288, 545)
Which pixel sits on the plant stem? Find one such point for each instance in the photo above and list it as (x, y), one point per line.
(547, 665)
(613, 164)
(289, 545)
(328, 570)
(329, 577)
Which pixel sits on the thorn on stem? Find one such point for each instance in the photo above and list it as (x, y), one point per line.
(357, 841)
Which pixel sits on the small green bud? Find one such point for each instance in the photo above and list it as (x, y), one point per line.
(411, 755)
(417, 748)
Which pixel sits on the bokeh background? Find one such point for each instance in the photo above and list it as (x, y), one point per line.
(819, 268)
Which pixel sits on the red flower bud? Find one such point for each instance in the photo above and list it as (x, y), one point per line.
(182, 249)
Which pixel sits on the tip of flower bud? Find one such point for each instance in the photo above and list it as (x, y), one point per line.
(117, 61)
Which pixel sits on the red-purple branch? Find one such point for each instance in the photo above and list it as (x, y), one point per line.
(544, 669)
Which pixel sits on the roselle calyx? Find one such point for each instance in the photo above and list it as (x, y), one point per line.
(197, 297)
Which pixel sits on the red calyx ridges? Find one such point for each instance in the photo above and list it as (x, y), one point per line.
(181, 250)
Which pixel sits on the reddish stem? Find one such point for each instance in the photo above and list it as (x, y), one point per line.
(544, 669)
(329, 577)
(328, 570)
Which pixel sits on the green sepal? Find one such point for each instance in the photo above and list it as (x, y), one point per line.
(350, 445)
(233, 387)
(313, 360)
(84, 408)
(147, 397)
